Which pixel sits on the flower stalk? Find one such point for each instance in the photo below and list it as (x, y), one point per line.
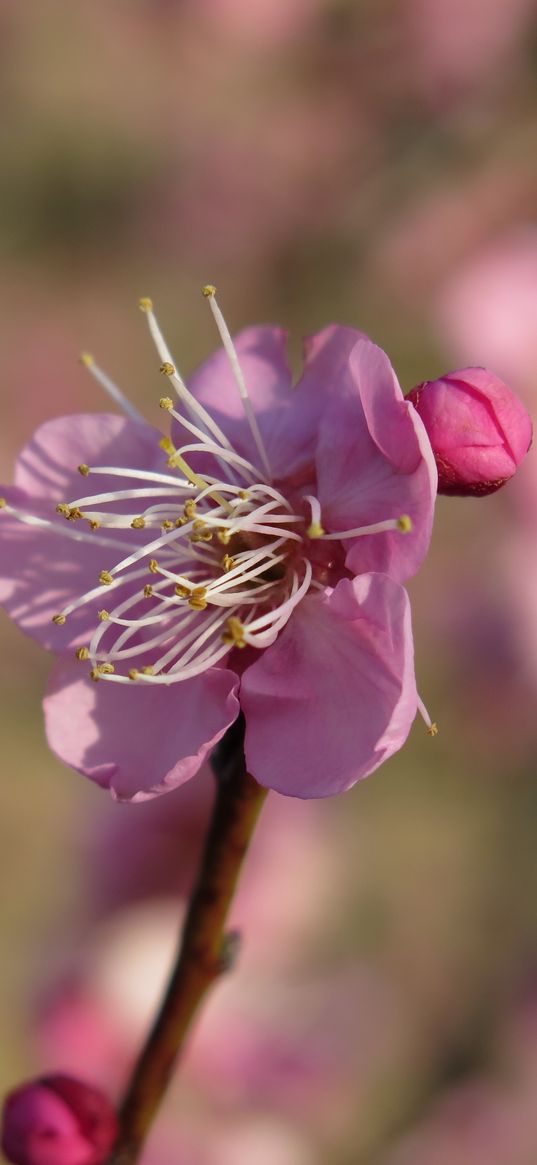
(205, 950)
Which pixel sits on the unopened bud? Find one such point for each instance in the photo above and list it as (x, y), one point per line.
(57, 1120)
(478, 428)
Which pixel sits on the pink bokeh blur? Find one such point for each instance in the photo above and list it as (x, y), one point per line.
(372, 163)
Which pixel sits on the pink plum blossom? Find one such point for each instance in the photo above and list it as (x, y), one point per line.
(57, 1120)
(257, 563)
(479, 430)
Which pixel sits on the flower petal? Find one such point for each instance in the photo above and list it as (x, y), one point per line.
(90, 727)
(47, 466)
(263, 360)
(287, 417)
(373, 463)
(335, 695)
(42, 568)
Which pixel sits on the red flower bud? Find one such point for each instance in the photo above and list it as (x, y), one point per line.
(57, 1120)
(479, 430)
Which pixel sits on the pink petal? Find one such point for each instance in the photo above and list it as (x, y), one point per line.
(287, 417)
(48, 466)
(335, 695)
(263, 359)
(138, 741)
(42, 569)
(375, 463)
(326, 356)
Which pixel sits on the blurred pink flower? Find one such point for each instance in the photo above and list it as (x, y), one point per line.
(281, 548)
(293, 869)
(480, 1123)
(311, 1049)
(487, 310)
(265, 25)
(461, 43)
(479, 430)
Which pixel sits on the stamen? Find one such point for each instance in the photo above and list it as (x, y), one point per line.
(234, 633)
(63, 530)
(110, 387)
(141, 475)
(402, 524)
(315, 529)
(194, 407)
(210, 293)
(280, 616)
(431, 725)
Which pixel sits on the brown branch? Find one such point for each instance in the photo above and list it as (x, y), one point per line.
(205, 951)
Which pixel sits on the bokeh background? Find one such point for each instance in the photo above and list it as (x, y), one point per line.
(372, 162)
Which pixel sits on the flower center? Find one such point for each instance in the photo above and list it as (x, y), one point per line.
(223, 571)
(218, 555)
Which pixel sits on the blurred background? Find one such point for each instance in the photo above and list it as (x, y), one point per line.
(372, 162)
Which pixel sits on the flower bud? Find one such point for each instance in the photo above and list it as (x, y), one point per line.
(56, 1120)
(479, 430)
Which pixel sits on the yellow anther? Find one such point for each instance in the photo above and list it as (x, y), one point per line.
(82, 653)
(138, 523)
(167, 525)
(62, 509)
(315, 530)
(84, 470)
(153, 566)
(87, 359)
(180, 522)
(199, 525)
(166, 444)
(404, 524)
(59, 620)
(102, 669)
(190, 509)
(433, 729)
(134, 673)
(104, 616)
(228, 562)
(94, 525)
(181, 591)
(74, 514)
(197, 604)
(106, 578)
(243, 493)
(208, 290)
(166, 402)
(167, 369)
(224, 536)
(3, 503)
(197, 599)
(145, 303)
(148, 591)
(206, 535)
(234, 633)
(148, 671)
